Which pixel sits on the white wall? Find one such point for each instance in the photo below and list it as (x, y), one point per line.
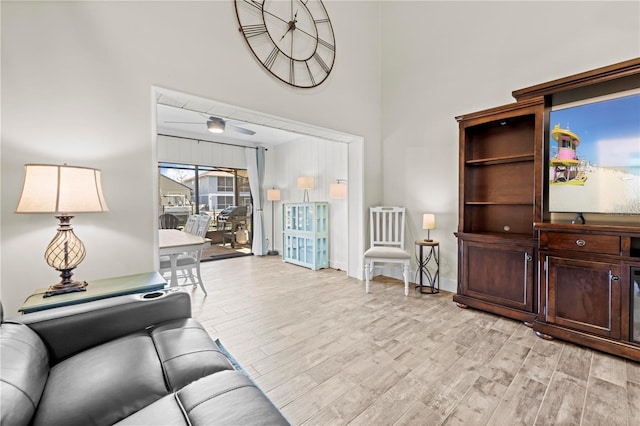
(325, 161)
(76, 88)
(189, 151)
(443, 59)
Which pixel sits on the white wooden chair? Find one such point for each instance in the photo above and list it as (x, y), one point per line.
(203, 221)
(191, 224)
(386, 227)
(168, 221)
(189, 263)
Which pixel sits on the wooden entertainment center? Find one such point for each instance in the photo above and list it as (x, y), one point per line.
(571, 281)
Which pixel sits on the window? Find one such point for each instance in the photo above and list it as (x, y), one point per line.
(190, 189)
(243, 185)
(225, 184)
(223, 201)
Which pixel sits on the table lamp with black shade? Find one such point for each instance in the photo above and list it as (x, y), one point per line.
(62, 190)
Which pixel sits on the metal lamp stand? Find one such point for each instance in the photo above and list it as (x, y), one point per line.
(272, 252)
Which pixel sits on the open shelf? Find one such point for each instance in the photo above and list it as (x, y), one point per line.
(500, 191)
(497, 203)
(501, 218)
(500, 160)
(505, 183)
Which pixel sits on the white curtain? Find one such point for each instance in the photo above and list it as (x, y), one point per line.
(255, 168)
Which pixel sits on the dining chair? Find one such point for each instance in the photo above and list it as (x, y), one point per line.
(203, 222)
(191, 223)
(188, 264)
(386, 232)
(168, 221)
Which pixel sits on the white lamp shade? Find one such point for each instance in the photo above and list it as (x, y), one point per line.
(273, 194)
(338, 190)
(49, 188)
(306, 182)
(428, 221)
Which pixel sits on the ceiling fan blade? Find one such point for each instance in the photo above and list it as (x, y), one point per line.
(216, 120)
(242, 130)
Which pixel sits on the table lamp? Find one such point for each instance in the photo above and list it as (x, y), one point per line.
(428, 223)
(62, 190)
(273, 195)
(306, 183)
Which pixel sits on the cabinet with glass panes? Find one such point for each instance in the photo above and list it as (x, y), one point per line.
(305, 234)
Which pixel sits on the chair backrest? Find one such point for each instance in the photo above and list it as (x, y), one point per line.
(191, 225)
(168, 221)
(202, 226)
(386, 226)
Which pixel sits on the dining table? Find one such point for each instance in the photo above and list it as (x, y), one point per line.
(173, 242)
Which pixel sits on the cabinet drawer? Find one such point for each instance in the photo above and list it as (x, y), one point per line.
(604, 244)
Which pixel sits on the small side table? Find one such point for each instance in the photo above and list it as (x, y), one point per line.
(429, 266)
(97, 289)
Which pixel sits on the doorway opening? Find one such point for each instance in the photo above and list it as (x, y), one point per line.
(189, 124)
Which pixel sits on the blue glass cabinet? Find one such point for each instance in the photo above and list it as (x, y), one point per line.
(306, 234)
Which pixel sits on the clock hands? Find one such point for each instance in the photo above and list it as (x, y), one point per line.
(292, 25)
(260, 6)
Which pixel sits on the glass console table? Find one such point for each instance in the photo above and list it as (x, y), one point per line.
(97, 289)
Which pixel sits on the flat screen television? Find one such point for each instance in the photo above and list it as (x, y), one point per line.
(594, 155)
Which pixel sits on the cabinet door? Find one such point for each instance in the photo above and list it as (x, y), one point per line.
(583, 295)
(321, 217)
(498, 274)
(289, 217)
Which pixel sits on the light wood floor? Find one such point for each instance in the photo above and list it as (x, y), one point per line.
(326, 353)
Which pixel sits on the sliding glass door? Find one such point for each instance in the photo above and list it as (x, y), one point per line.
(194, 189)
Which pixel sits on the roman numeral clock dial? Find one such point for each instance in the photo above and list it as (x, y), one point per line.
(292, 39)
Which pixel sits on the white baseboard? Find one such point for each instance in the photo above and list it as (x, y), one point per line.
(446, 284)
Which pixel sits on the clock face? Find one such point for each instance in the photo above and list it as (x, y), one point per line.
(292, 39)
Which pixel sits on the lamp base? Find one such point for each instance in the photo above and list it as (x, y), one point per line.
(273, 253)
(67, 287)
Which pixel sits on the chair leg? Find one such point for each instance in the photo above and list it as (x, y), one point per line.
(200, 280)
(367, 269)
(191, 277)
(405, 274)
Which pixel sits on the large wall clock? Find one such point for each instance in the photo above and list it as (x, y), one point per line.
(293, 40)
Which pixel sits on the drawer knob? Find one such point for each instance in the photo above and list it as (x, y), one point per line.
(581, 243)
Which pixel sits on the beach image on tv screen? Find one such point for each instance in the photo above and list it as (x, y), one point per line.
(594, 157)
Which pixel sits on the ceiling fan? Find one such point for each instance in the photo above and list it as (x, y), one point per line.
(217, 125)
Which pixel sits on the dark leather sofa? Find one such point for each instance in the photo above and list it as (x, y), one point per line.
(129, 360)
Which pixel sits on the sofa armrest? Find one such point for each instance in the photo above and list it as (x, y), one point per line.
(70, 329)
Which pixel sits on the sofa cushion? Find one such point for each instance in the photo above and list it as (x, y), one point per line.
(224, 398)
(230, 398)
(103, 385)
(187, 352)
(111, 381)
(24, 366)
(68, 330)
(165, 411)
